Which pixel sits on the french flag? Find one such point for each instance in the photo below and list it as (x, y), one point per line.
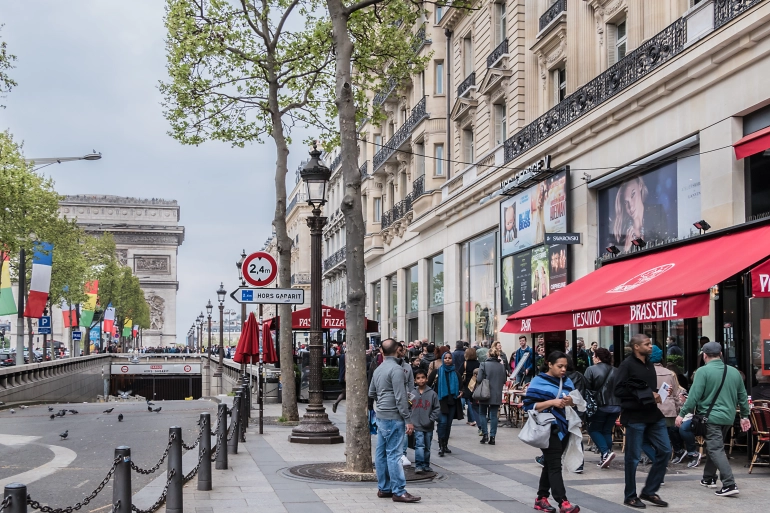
(41, 280)
(109, 319)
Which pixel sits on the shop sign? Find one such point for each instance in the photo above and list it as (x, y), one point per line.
(760, 280)
(525, 174)
(562, 238)
(160, 368)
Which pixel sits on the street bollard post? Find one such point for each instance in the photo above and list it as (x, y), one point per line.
(174, 495)
(221, 463)
(244, 412)
(204, 453)
(18, 494)
(232, 441)
(121, 480)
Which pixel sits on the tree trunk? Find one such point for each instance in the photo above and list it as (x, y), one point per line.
(359, 441)
(283, 245)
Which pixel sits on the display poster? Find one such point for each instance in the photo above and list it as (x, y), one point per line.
(659, 205)
(764, 328)
(531, 275)
(526, 217)
(557, 255)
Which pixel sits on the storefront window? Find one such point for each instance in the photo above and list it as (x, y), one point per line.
(436, 281)
(378, 302)
(478, 289)
(412, 290)
(760, 347)
(437, 328)
(393, 305)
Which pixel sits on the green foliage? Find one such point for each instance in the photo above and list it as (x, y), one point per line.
(676, 359)
(6, 64)
(118, 285)
(330, 373)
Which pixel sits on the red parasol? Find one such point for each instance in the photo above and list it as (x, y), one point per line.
(247, 349)
(268, 348)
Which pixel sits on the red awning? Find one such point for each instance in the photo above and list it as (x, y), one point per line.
(760, 280)
(752, 144)
(662, 285)
(331, 318)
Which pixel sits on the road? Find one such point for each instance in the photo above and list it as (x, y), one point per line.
(93, 436)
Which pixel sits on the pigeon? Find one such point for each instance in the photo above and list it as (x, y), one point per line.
(108, 410)
(23, 406)
(149, 409)
(50, 408)
(120, 417)
(13, 411)
(64, 435)
(53, 416)
(74, 412)
(2, 403)
(60, 413)
(149, 403)
(157, 410)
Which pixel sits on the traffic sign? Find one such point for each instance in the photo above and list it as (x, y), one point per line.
(77, 336)
(259, 269)
(269, 296)
(44, 325)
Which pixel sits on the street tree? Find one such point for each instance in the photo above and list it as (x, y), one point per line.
(6, 64)
(240, 71)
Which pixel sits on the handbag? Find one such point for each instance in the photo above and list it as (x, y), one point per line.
(699, 422)
(481, 392)
(537, 431)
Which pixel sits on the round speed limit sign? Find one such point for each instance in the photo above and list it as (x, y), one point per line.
(259, 269)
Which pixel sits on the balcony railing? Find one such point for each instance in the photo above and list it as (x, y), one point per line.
(552, 13)
(726, 10)
(300, 279)
(364, 169)
(336, 162)
(402, 134)
(419, 40)
(337, 258)
(380, 97)
(297, 197)
(398, 211)
(497, 53)
(466, 84)
(418, 187)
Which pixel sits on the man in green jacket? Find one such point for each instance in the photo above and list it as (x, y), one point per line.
(733, 395)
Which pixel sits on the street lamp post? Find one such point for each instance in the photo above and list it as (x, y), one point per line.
(315, 426)
(221, 298)
(201, 320)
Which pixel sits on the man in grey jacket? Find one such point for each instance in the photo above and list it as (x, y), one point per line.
(388, 389)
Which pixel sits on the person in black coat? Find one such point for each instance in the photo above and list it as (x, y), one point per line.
(470, 364)
(493, 370)
(341, 379)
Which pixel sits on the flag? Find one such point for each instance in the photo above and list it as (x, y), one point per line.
(7, 304)
(127, 327)
(41, 280)
(135, 330)
(109, 319)
(88, 308)
(70, 314)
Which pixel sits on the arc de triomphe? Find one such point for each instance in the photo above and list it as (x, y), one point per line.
(147, 235)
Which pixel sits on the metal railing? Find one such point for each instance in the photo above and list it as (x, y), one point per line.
(380, 97)
(726, 10)
(337, 258)
(364, 169)
(398, 211)
(497, 53)
(297, 198)
(418, 187)
(419, 40)
(417, 114)
(336, 162)
(466, 84)
(300, 279)
(552, 13)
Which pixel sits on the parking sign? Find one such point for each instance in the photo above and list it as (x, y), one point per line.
(44, 325)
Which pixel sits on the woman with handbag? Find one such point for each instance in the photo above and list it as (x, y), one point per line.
(549, 391)
(448, 390)
(493, 371)
(601, 420)
(471, 364)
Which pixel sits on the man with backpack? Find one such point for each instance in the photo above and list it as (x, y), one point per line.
(716, 392)
(604, 407)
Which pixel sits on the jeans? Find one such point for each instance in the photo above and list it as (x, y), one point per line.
(600, 427)
(422, 440)
(656, 435)
(472, 417)
(390, 473)
(490, 411)
(550, 477)
(688, 437)
(717, 459)
(445, 423)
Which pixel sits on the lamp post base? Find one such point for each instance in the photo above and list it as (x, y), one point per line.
(316, 428)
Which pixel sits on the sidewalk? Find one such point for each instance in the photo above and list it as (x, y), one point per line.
(474, 478)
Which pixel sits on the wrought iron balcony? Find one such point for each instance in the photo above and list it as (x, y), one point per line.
(466, 84)
(364, 169)
(552, 13)
(336, 162)
(497, 53)
(418, 187)
(300, 279)
(297, 198)
(402, 134)
(419, 40)
(337, 258)
(380, 97)
(726, 10)
(636, 65)
(398, 211)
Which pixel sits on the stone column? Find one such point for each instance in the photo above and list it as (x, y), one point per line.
(401, 312)
(385, 307)
(723, 202)
(452, 300)
(423, 299)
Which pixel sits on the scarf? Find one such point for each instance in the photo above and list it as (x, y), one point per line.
(544, 387)
(447, 375)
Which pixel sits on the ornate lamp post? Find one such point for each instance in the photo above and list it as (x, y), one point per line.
(200, 320)
(315, 426)
(209, 309)
(221, 293)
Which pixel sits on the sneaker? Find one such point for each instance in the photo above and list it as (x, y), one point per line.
(679, 456)
(540, 460)
(542, 504)
(607, 459)
(418, 470)
(727, 491)
(566, 507)
(405, 461)
(428, 469)
(579, 470)
(708, 482)
(695, 461)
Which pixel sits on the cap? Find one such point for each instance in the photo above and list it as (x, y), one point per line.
(711, 348)
(657, 355)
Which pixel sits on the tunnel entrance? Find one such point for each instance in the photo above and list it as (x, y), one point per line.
(157, 387)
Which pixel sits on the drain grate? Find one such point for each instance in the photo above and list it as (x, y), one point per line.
(336, 472)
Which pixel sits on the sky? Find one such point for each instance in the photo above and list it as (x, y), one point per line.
(88, 73)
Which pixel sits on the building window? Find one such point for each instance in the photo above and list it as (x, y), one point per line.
(468, 154)
(620, 45)
(501, 123)
(422, 84)
(377, 210)
(439, 12)
(439, 77)
(419, 157)
(393, 305)
(477, 284)
(500, 23)
(758, 184)
(377, 142)
(439, 154)
(378, 302)
(617, 41)
(467, 56)
(413, 288)
(560, 84)
(436, 283)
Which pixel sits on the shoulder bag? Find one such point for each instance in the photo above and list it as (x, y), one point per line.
(537, 431)
(481, 392)
(699, 422)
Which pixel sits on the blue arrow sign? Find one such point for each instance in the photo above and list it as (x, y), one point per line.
(77, 336)
(247, 295)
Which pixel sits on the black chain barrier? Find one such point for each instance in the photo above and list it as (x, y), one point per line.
(194, 471)
(115, 507)
(154, 469)
(69, 509)
(161, 499)
(215, 452)
(193, 446)
(6, 503)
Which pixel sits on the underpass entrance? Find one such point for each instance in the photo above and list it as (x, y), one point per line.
(162, 381)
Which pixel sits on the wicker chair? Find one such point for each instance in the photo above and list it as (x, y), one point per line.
(760, 423)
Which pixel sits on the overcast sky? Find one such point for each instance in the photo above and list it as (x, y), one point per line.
(88, 72)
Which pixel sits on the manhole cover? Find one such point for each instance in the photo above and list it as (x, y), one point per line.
(336, 472)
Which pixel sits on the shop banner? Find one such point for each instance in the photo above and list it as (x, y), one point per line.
(760, 280)
(616, 315)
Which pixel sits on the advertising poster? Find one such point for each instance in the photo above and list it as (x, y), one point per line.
(658, 206)
(531, 275)
(557, 257)
(539, 274)
(522, 291)
(526, 217)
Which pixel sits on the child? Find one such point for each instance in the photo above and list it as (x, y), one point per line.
(425, 411)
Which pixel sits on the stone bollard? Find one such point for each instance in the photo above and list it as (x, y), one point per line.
(235, 425)
(174, 494)
(222, 437)
(204, 453)
(18, 494)
(121, 480)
